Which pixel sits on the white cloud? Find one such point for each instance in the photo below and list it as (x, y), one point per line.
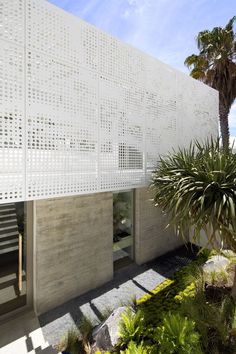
(233, 107)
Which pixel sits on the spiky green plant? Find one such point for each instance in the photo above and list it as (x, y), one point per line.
(213, 321)
(196, 187)
(85, 329)
(69, 342)
(131, 326)
(177, 335)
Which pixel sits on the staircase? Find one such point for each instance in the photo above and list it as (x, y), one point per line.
(8, 228)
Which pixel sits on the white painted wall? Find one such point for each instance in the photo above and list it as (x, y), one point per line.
(82, 112)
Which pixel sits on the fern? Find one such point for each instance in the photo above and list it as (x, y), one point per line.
(133, 348)
(131, 326)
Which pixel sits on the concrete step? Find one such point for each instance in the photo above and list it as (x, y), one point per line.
(8, 249)
(7, 211)
(10, 228)
(11, 277)
(9, 215)
(9, 234)
(7, 206)
(10, 293)
(8, 222)
(9, 241)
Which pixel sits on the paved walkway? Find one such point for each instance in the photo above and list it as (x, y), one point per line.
(30, 335)
(23, 335)
(132, 280)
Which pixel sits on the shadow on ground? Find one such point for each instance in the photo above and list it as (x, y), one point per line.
(131, 281)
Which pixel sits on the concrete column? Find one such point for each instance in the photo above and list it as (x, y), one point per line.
(152, 239)
(73, 247)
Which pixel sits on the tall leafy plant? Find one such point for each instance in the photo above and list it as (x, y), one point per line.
(196, 187)
(215, 65)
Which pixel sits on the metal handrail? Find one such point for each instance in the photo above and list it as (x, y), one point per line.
(20, 263)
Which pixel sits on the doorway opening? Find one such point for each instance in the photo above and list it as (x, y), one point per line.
(13, 253)
(123, 240)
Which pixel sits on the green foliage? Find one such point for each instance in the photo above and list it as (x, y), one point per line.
(168, 296)
(134, 348)
(85, 328)
(131, 326)
(69, 342)
(221, 276)
(196, 187)
(177, 335)
(213, 321)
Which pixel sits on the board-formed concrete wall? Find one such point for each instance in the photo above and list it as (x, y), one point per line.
(152, 238)
(73, 247)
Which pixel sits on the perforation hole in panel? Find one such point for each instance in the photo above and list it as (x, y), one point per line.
(11, 121)
(12, 21)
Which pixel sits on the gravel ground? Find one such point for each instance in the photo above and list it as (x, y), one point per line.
(128, 282)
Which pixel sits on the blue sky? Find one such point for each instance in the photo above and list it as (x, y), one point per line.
(165, 29)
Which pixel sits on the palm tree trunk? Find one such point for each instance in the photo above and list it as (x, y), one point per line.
(224, 124)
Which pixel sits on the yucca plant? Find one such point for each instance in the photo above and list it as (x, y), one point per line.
(196, 187)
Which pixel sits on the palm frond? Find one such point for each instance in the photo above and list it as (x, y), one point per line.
(196, 188)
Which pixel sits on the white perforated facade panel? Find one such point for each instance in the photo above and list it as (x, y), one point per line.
(81, 112)
(12, 101)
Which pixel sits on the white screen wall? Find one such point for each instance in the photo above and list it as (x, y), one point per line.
(81, 112)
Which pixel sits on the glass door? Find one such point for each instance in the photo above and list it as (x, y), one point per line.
(12, 256)
(123, 227)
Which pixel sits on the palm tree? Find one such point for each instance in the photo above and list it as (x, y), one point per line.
(215, 65)
(196, 188)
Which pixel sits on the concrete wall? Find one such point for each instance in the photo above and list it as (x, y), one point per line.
(151, 237)
(73, 247)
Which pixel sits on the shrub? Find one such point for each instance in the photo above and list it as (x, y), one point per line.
(85, 329)
(134, 348)
(69, 342)
(131, 326)
(213, 321)
(168, 296)
(177, 335)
